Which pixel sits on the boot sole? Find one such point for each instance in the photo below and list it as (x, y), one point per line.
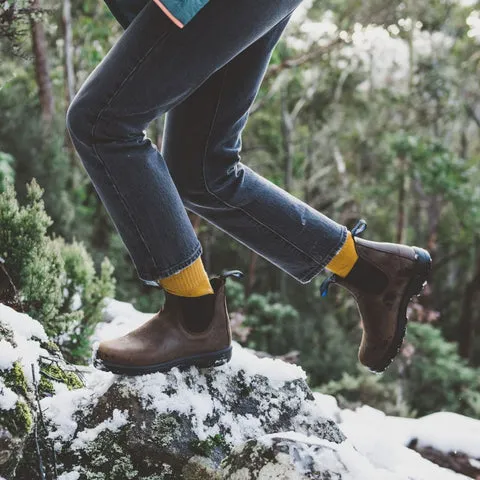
(203, 360)
(423, 266)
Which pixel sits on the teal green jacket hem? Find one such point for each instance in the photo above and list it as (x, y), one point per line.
(181, 11)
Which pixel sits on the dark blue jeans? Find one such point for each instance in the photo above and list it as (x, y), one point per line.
(206, 76)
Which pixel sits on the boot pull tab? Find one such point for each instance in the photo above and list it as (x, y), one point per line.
(326, 284)
(232, 273)
(359, 227)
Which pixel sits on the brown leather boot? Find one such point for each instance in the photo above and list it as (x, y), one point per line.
(164, 341)
(383, 281)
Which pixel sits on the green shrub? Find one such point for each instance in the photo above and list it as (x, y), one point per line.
(52, 275)
(268, 317)
(88, 290)
(35, 266)
(365, 388)
(437, 378)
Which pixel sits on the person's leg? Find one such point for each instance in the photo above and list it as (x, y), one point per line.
(153, 67)
(216, 185)
(201, 145)
(193, 280)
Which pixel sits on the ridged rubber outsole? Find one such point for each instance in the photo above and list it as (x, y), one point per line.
(423, 266)
(204, 360)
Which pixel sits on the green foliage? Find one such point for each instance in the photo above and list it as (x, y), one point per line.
(34, 265)
(50, 273)
(437, 378)
(352, 391)
(434, 378)
(442, 173)
(40, 156)
(266, 315)
(92, 290)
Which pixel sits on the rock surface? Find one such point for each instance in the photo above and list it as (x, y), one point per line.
(179, 424)
(253, 418)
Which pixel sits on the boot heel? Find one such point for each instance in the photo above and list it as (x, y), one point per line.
(423, 266)
(215, 360)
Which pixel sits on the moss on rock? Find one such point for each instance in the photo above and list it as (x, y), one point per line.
(54, 372)
(15, 380)
(50, 347)
(45, 387)
(18, 421)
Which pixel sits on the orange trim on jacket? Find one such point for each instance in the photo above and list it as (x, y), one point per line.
(175, 20)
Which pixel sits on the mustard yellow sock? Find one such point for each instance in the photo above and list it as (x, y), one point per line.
(190, 282)
(345, 259)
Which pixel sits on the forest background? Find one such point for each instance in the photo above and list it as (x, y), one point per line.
(369, 109)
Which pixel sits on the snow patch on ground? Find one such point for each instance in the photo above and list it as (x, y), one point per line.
(355, 466)
(384, 439)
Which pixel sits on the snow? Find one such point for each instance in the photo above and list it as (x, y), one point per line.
(377, 444)
(327, 406)
(8, 398)
(193, 399)
(430, 431)
(69, 476)
(340, 458)
(118, 420)
(59, 409)
(22, 325)
(8, 355)
(27, 334)
(384, 439)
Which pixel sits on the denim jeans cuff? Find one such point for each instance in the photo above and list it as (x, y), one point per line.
(151, 278)
(320, 267)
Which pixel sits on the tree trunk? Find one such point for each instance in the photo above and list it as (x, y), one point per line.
(308, 161)
(287, 140)
(42, 73)
(401, 209)
(69, 85)
(67, 52)
(251, 273)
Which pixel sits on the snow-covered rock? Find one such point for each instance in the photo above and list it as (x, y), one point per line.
(252, 418)
(176, 424)
(27, 357)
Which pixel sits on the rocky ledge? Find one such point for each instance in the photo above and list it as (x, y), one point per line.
(253, 418)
